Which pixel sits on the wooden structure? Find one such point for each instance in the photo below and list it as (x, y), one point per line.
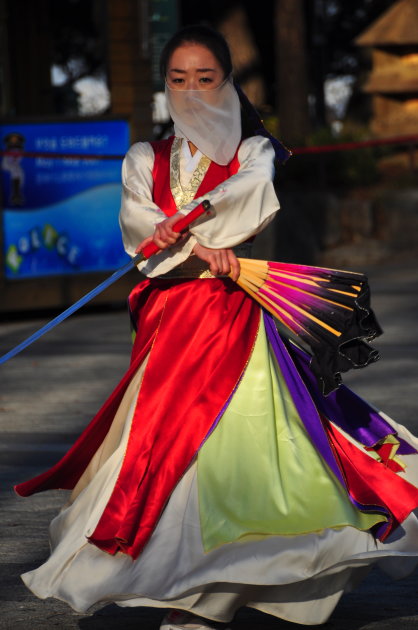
(129, 65)
(393, 81)
(245, 56)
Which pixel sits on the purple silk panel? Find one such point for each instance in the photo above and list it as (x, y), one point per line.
(301, 398)
(346, 409)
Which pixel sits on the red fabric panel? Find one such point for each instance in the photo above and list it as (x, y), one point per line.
(371, 482)
(191, 373)
(161, 193)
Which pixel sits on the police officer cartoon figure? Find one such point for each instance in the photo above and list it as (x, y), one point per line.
(14, 144)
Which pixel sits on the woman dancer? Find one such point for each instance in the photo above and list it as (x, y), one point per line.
(216, 475)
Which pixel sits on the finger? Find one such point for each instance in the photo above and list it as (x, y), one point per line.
(143, 244)
(160, 243)
(168, 239)
(226, 267)
(171, 231)
(214, 265)
(163, 236)
(235, 266)
(167, 233)
(182, 237)
(170, 223)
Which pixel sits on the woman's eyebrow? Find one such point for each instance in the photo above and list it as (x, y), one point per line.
(180, 71)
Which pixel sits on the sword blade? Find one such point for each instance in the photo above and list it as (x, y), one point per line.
(73, 308)
(203, 208)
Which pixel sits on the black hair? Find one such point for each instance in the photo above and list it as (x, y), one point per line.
(198, 34)
(252, 125)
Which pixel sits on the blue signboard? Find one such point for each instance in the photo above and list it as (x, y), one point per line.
(60, 214)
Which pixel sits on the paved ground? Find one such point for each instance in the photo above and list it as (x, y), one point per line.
(48, 394)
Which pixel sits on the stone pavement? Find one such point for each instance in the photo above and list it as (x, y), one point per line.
(49, 393)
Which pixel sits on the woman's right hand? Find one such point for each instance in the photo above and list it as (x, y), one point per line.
(164, 236)
(144, 243)
(221, 261)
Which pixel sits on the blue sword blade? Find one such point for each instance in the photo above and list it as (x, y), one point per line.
(73, 308)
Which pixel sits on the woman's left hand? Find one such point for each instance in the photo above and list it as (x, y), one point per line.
(221, 261)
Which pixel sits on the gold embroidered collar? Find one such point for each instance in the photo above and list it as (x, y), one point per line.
(183, 195)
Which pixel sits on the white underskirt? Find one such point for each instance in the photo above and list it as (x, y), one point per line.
(298, 578)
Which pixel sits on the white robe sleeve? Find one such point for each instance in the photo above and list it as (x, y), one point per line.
(244, 204)
(139, 214)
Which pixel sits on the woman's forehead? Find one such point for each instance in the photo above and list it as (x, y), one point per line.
(193, 56)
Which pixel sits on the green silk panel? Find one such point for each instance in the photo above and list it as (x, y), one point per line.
(259, 474)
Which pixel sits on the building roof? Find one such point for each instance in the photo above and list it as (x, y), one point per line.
(382, 85)
(398, 26)
(400, 76)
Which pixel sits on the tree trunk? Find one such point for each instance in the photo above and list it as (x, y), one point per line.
(292, 80)
(30, 58)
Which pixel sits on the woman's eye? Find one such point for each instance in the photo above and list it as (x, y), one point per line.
(177, 80)
(205, 80)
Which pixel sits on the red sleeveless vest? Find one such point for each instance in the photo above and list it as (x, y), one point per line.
(215, 175)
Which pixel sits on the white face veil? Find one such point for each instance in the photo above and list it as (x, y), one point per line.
(210, 119)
